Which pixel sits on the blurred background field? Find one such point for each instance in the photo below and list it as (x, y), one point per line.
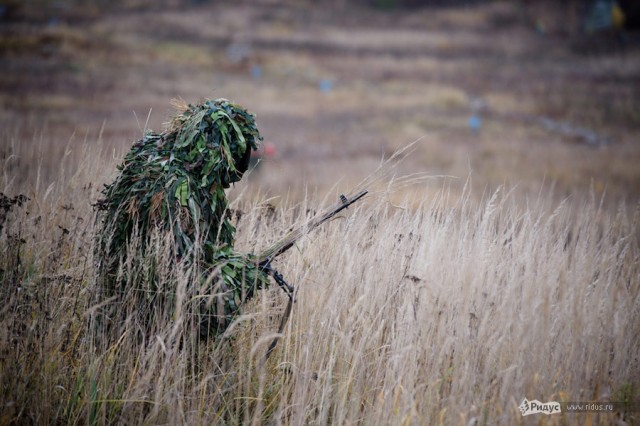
(513, 92)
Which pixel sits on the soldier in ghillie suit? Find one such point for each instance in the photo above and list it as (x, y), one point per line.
(175, 182)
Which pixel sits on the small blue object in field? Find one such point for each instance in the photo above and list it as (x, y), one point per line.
(325, 85)
(256, 72)
(475, 123)
(599, 16)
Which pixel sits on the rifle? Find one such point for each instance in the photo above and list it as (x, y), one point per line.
(290, 239)
(265, 258)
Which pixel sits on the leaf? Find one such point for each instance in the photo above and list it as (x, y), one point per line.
(200, 146)
(182, 192)
(241, 141)
(194, 209)
(228, 271)
(188, 134)
(208, 168)
(227, 153)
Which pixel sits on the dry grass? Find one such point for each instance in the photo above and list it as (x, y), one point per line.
(435, 304)
(449, 312)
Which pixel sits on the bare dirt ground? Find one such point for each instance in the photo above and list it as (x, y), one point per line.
(334, 89)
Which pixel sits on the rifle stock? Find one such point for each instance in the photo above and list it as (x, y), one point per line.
(290, 239)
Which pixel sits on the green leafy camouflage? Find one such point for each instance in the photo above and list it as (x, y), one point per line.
(174, 181)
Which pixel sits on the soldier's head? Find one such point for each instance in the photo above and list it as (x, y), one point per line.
(218, 136)
(241, 164)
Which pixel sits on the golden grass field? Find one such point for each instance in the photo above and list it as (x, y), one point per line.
(450, 312)
(508, 268)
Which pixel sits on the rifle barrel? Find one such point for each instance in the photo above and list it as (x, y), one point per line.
(289, 240)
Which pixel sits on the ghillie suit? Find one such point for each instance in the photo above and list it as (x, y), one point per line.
(174, 182)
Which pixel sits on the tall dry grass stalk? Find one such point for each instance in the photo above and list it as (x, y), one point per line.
(446, 313)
